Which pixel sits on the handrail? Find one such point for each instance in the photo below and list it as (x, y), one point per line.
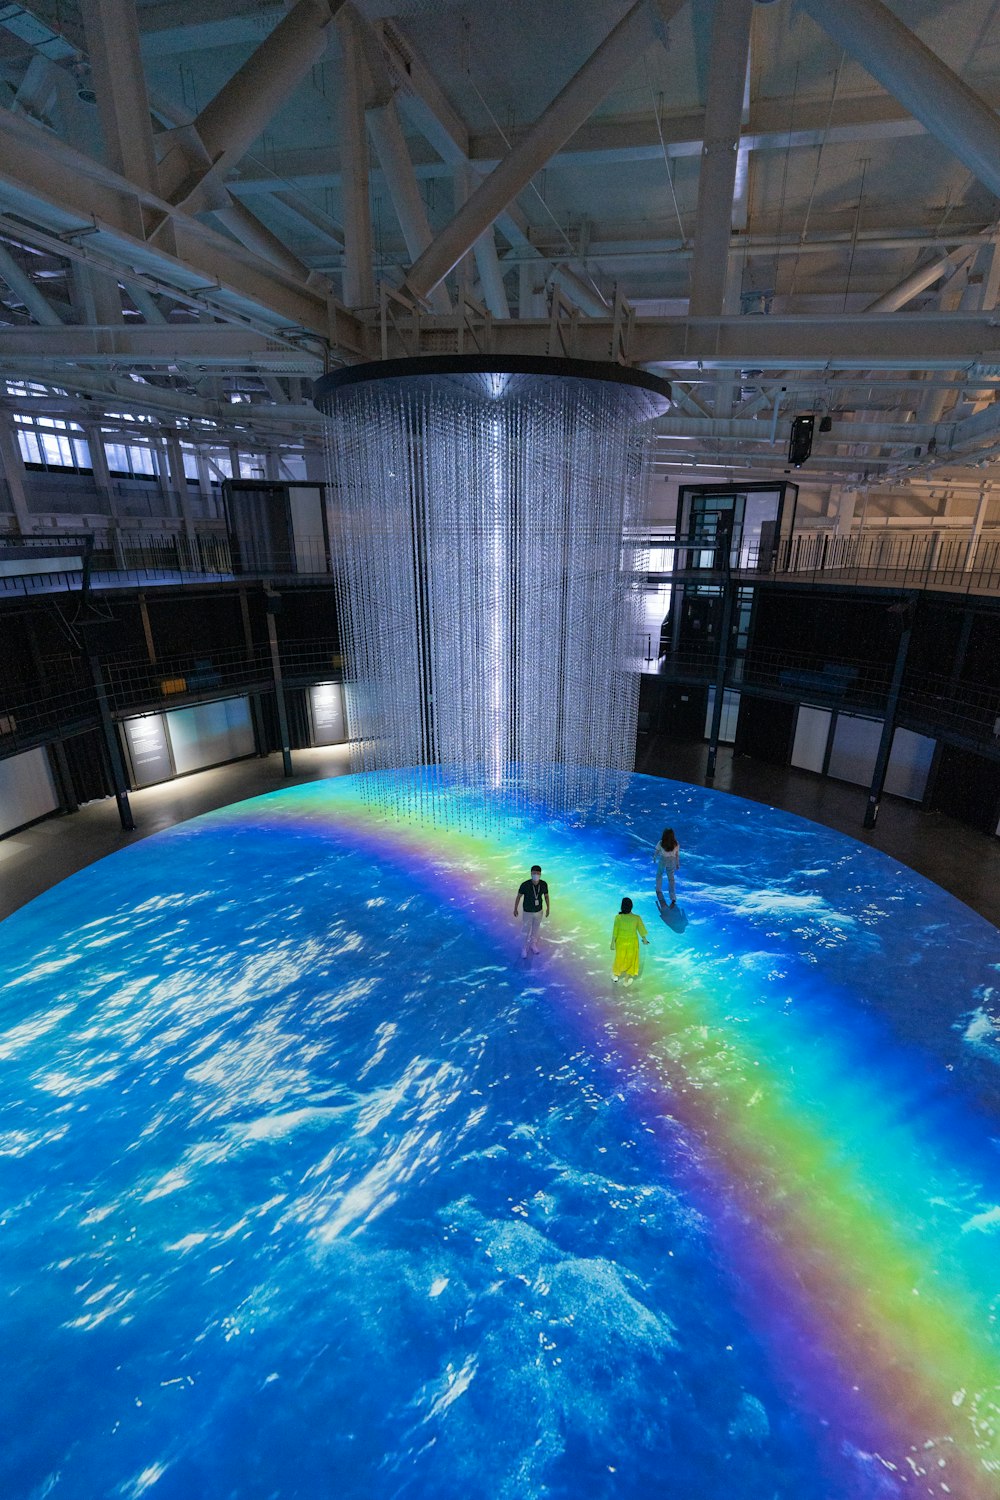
(135, 685)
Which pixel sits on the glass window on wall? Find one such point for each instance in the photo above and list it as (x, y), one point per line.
(52, 443)
(190, 457)
(130, 460)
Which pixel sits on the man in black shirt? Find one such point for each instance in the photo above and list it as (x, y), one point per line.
(532, 892)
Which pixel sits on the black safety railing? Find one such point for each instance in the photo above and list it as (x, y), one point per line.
(919, 559)
(114, 559)
(924, 559)
(135, 685)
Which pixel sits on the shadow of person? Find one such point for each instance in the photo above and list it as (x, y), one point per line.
(672, 916)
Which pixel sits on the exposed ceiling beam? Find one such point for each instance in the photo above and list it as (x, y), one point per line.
(145, 303)
(421, 97)
(746, 429)
(207, 150)
(112, 35)
(717, 175)
(818, 344)
(169, 27)
(358, 287)
(587, 298)
(608, 141)
(26, 291)
(47, 183)
(382, 122)
(924, 276)
(147, 344)
(574, 103)
(922, 83)
(119, 392)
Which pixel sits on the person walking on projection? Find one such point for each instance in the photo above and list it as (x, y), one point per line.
(533, 893)
(628, 929)
(667, 856)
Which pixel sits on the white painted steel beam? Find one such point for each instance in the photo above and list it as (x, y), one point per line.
(358, 272)
(255, 235)
(404, 190)
(577, 100)
(608, 142)
(913, 74)
(295, 204)
(586, 297)
(420, 97)
(12, 469)
(745, 429)
(26, 291)
(145, 303)
(67, 194)
(816, 344)
(146, 344)
(717, 176)
(229, 124)
(112, 32)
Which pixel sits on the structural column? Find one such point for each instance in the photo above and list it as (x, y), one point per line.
(908, 608)
(273, 604)
(116, 763)
(720, 678)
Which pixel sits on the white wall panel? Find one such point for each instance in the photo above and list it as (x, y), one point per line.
(209, 733)
(909, 764)
(27, 790)
(812, 728)
(855, 746)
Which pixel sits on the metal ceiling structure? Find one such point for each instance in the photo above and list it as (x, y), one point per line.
(784, 208)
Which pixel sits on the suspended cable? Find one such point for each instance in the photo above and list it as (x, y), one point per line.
(658, 117)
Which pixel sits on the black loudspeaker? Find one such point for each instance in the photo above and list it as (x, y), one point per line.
(800, 443)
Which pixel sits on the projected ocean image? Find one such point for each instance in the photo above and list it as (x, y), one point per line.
(312, 1186)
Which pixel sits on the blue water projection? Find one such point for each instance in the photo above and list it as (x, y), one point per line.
(312, 1187)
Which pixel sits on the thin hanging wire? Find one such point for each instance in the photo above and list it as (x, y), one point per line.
(865, 161)
(819, 162)
(657, 101)
(573, 249)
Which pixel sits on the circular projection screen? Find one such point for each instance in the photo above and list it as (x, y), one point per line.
(313, 1187)
(489, 582)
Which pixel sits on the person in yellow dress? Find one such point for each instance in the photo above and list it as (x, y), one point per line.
(628, 929)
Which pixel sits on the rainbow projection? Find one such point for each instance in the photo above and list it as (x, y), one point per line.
(312, 1185)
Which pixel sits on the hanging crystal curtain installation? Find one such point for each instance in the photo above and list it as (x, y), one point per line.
(488, 600)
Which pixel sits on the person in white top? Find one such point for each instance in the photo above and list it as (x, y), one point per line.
(667, 855)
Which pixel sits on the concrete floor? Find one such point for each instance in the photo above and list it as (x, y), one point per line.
(964, 862)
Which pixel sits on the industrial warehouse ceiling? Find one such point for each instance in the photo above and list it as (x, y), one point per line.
(784, 208)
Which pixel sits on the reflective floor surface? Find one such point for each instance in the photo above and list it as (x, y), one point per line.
(312, 1186)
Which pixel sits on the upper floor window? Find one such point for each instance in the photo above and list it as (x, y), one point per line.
(130, 460)
(52, 443)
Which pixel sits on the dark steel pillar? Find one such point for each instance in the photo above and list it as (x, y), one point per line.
(720, 677)
(273, 602)
(118, 777)
(908, 609)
